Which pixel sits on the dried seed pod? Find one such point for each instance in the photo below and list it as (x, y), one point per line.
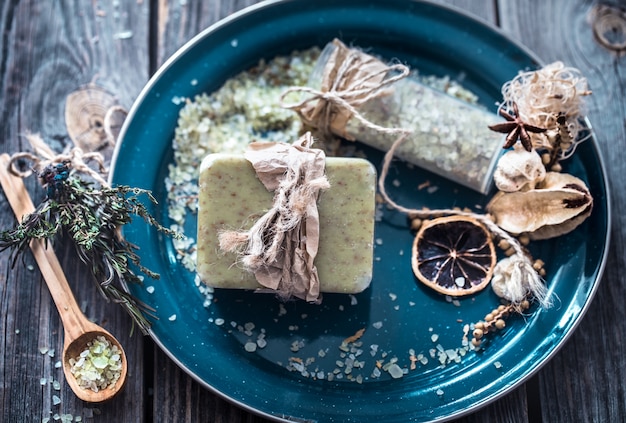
(555, 207)
(514, 279)
(519, 170)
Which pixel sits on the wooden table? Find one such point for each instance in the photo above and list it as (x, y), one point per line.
(50, 48)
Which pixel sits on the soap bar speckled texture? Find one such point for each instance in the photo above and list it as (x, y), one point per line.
(232, 198)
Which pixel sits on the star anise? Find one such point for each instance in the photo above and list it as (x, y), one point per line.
(516, 128)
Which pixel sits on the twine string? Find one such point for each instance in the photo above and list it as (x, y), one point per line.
(44, 156)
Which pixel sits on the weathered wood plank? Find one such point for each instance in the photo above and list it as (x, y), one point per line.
(585, 381)
(178, 22)
(48, 50)
(484, 10)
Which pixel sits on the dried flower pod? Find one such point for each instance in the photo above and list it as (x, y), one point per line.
(519, 170)
(515, 279)
(555, 207)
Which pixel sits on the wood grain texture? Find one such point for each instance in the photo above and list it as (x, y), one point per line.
(178, 22)
(584, 382)
(49, 49)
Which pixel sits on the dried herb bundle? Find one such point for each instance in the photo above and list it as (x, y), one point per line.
(92, 219)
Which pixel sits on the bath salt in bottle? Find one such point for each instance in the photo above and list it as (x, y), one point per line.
(359, 96)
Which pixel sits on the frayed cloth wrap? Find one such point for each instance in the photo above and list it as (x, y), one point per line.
(280, 248)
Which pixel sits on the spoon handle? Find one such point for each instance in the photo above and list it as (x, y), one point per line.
(74, 321)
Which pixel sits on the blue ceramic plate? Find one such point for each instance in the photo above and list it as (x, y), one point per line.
(399, 314)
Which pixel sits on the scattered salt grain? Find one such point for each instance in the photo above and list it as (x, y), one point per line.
(497, 365)
(123, 35)
(395, 371)
(250, 346)
(178, 100)
(439, 392)
(376, 373)
(56, 400)
(172, 318)
(373, 349)
(150, 289)
(377, 325)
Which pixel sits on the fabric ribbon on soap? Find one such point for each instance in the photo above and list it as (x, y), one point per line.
(281, 246)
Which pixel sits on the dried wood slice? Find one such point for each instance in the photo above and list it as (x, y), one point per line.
(93, 118)
(454, 255)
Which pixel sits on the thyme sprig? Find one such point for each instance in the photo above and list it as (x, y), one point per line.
(92, 218)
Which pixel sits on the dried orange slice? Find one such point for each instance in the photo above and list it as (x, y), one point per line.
(454, 255)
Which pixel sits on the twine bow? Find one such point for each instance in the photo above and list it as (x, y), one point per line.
(351, 78)
(44, 156)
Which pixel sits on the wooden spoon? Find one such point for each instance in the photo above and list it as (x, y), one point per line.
(79, 331)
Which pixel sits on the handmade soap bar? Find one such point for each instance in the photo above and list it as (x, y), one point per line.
(232, 198)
